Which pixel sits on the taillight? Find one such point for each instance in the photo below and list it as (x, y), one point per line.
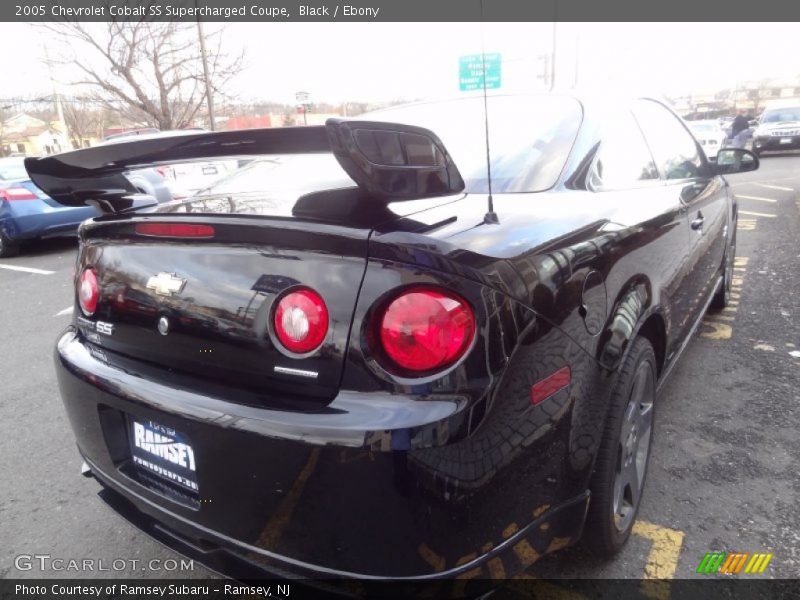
(426, 329)
(301, 320)
(175, 230)
(17, 192)
(88, 292)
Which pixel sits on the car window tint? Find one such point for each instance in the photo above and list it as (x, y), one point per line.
(623, 159)
(674, 148)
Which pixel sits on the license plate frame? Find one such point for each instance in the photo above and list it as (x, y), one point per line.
(164, 453)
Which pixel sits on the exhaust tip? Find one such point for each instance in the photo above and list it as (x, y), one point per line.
(85, 470)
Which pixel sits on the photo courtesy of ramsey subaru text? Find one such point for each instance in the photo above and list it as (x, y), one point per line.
(437, 334)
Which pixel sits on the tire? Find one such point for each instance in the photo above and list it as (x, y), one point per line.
(624, 453)
(723, 296)
(7, 247)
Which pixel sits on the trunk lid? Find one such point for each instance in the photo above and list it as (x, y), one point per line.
(215, 299)
(218, 294)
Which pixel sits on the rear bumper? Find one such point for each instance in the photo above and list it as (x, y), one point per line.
(337, 493)
(240, 560)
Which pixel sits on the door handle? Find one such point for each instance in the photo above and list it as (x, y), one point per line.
(698, 222)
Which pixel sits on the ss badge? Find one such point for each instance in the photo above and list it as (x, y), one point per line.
(104, 328)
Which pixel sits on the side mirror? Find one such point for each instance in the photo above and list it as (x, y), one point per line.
(735, 160)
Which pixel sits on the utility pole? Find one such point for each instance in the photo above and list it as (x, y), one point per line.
(57, 98)
(209, 95)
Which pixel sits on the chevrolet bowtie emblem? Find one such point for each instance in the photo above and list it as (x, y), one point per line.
(166, 284)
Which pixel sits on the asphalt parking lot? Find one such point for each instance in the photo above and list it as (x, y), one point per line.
(724, 475)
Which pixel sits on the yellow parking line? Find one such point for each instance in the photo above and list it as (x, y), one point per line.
(741, 261)
(720, 331)
(756, 214)
(430, 557)
(271, 535)
(662, 561)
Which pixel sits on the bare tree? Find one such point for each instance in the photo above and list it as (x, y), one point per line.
(149, 72)
(83, 121)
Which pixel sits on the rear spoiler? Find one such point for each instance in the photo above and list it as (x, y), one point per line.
(387, 160)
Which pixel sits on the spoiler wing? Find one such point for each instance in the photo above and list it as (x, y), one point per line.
(388, 160)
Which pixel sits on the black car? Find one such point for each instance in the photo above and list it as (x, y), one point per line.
(370, 355)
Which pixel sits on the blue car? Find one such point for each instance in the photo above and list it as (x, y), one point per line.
(26, 212)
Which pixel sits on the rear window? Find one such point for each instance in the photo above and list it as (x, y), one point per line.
(271, 185)
(530, 137)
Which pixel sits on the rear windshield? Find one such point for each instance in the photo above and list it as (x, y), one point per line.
(530, 137)
(777, 115)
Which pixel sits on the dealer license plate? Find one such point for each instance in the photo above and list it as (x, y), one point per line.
(163, 452)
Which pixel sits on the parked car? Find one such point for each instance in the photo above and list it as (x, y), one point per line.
(710, 135)
(413, 367)
(778, 127)
(183, 179)
(26, 212)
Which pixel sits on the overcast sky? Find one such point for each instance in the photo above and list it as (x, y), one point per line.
(384, 61)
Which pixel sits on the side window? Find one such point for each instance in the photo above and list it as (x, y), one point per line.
(623, 159)
(673, 146)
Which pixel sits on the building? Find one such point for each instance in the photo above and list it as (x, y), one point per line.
(27, 135)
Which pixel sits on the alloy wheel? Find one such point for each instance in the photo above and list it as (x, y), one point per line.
(634, 448)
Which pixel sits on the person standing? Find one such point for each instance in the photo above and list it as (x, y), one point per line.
(740, 123)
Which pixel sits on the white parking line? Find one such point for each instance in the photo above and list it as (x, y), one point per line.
(775, 187)
(26, 269)
(66, 311)
(755, 214)
(773, 201)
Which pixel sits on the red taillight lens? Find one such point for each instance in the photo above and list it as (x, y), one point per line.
(426, 329)
(301, 320)
(17, 192)
(88, 291)
(175, 230)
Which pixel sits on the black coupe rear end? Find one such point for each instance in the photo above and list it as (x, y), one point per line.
(347, 359)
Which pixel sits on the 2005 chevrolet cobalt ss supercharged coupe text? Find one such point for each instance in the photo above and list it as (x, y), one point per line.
(377, 357)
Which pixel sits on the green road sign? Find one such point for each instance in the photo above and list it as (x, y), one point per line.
(471, 71)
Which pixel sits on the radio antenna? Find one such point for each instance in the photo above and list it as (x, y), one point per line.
(490, 218)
